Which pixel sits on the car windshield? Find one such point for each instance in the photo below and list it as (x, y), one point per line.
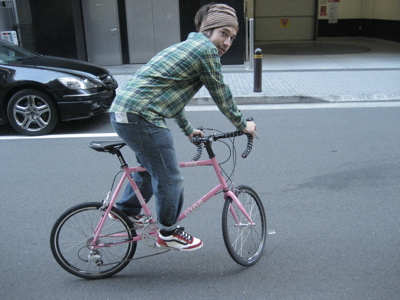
(11, 53)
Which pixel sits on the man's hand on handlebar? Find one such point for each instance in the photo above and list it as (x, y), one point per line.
(196, 132)
(250, 129)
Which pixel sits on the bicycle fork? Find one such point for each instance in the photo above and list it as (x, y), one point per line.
(230, 194)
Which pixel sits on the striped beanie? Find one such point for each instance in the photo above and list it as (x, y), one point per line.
(219, 15)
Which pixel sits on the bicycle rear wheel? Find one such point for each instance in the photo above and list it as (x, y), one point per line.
(73, 232)
(245, 242)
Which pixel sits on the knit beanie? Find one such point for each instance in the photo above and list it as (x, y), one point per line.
(220, 15)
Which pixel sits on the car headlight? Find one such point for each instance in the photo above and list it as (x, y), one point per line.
(76, 83)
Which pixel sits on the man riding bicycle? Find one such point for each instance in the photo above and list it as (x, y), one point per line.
(161, 89)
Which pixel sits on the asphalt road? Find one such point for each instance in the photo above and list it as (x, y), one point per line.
(329, 179)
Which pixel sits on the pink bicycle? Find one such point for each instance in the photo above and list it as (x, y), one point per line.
(96, 240)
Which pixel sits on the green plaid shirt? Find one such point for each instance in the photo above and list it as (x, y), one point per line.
(162, 88)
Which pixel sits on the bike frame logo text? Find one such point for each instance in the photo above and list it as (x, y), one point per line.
(140, 197)
(195, 206)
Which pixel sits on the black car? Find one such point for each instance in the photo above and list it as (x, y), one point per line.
(37, 91)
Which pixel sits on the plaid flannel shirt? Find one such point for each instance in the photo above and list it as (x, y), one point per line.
(163, 87)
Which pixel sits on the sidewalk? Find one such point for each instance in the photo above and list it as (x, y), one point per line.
(327, 70)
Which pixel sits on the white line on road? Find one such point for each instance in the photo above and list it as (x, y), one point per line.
(199, 108)
(59, 136)
(300, 106)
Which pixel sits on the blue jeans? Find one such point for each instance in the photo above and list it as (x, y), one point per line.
(154, 149)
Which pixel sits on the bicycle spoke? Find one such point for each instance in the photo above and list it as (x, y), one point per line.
(72, 239)
(244, 239)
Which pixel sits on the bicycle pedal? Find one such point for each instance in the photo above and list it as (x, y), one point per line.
(154, 248)
(166, 249)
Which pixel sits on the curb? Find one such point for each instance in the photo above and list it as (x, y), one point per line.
(278, 99)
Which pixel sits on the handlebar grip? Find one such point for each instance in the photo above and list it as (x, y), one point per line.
(195, 140)
(198, 153)
(233, 134)
(249, 146)
(249, 141)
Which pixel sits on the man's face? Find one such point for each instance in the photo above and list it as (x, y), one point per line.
(222, 38)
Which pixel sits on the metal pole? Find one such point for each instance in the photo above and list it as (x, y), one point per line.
(251, 40)
(257, 70)
(247, 39)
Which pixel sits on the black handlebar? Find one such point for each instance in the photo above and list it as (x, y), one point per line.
(198, 153)
(249, 146)
(199, 141)
(249, 142)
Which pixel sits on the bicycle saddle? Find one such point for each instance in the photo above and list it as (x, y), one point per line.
(106, 146)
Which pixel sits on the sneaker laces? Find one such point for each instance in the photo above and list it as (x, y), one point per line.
(180, 231)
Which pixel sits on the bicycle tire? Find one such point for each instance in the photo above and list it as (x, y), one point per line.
(244, 242)
(72, 233)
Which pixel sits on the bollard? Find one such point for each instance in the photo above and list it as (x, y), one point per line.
(257, 70)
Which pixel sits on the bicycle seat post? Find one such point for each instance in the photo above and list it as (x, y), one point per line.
(120, 158)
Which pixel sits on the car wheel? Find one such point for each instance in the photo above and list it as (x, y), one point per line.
(32, 112)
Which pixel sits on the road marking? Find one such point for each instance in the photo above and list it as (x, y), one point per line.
(300, 106)
(59, 136)
(200, 108)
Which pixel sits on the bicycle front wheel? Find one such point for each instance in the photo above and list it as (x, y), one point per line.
(72, 234)
(244, 241)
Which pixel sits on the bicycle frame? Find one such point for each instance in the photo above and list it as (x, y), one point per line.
(222, 186)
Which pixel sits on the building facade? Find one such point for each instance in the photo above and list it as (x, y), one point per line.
(115, 32)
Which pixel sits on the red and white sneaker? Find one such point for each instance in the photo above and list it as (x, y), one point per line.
(179, 240)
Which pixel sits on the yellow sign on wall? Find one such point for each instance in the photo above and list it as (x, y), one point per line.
(285, 23)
